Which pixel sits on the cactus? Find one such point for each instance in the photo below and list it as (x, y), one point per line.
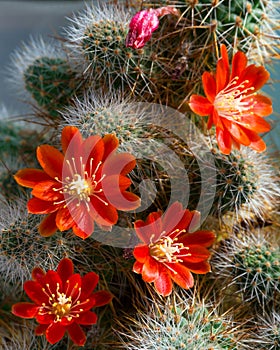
(268, 331)
(252, 265)
(22, 247)
(182, 322)
(245, 25)
(96, 41)
(44, 72)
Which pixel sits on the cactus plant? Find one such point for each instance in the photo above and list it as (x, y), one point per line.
(42, 71)
(251, 265)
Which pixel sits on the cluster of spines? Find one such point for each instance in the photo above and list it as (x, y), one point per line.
(251, 265)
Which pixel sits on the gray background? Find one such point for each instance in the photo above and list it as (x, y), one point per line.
(21, 19)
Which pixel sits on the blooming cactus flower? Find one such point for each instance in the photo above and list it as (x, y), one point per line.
(144, 23)
(168, 251)
(85, 184)
(232, 103)
(61, 302)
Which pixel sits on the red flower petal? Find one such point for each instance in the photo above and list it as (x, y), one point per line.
(236, 132)
(103, 214)
(111, 143)
(137, 267)
(202, 238)
(209, 86)
(45, 190)
(102, 297)
(51, 160)
(125, 201)
(52, 281)
(35, 292)
(152, 226)
(222, 71)
(163, 284)
(224, 140)
(199, 268)
(64, 220)
(25, 310)
(118, 163)
(256, 76)
(38, 206)
(65, 269)
(89, 282)
(72, 285)
(30, 177)
(76, 334)
(181, 275)
(48, 226)
(38, 274)
(198, 254)
(262, 105)
(150, 271)
(87, 318)
(55, 332)
(141, 253)
(93, 152)
(239, 63)
(255, 123)
(200, 105)
(41, 329)
(67, 135)
(176, 217)
(256, 142)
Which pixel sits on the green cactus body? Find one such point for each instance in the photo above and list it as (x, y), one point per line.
(104, 48)
(191, 327)
(257, 271)
(51, 82)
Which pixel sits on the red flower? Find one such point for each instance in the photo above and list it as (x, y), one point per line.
(144, 23)
(85, 184)
(232, 103)
(61, 302)
(169, 251)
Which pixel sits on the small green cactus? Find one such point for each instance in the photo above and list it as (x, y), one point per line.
(96, 42)
(182, 323)
(252, 265)
(51, 82)
(42, 70)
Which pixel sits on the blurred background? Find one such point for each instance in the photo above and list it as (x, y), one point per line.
(21, 19)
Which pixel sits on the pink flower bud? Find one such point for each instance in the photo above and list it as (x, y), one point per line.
(144, 23)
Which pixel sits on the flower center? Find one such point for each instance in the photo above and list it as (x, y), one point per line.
(80, 185)
(230, 102)
(168, 250)
(60, 305)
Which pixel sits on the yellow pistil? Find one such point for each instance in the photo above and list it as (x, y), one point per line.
(229, 102)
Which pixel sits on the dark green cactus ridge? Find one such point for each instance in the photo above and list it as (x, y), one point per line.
(51, 82)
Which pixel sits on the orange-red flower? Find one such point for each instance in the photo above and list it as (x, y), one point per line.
(85, 184)
(232, 103)
(61, 302)
(169, 251)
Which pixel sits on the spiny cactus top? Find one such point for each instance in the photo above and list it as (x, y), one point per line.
(84, 184)
(232, 104)
(61, 302)
(168, 251)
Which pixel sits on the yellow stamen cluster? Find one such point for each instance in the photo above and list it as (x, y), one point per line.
(80, 186)
(61, 305)
(230, 102)
(168, 250)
